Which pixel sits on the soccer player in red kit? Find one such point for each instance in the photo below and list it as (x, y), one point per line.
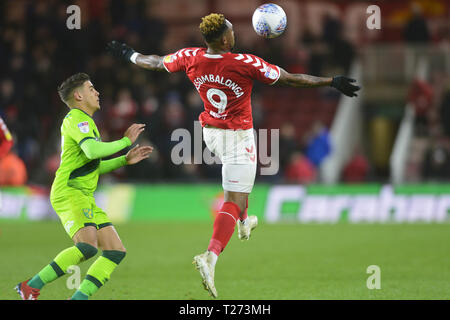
(6, 140)
(224, 81)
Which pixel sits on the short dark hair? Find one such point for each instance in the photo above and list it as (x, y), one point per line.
(66, 88)
(213, 26)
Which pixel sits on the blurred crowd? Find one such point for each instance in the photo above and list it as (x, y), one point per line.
(429, 158)
(37, 53)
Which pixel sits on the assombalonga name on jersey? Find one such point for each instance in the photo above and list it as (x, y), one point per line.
(218, 79)
(224, 86)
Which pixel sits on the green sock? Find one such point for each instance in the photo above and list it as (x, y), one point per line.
(98, 273)
(78, 295)
(58, 267)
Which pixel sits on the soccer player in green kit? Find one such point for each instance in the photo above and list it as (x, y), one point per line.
(72, 192)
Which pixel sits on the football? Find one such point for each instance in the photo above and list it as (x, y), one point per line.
(269, 20)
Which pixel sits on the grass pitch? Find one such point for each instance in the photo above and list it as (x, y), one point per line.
(279, 262)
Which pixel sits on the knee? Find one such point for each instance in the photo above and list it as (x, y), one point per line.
(115, 256)
(87, 250)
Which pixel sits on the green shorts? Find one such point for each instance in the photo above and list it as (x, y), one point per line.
(76, 211)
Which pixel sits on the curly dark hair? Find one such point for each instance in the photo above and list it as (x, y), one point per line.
(213, 26)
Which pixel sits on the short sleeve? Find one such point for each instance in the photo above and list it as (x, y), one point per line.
(174, 62)
(262, 70)
(79, 126)
(179, 60)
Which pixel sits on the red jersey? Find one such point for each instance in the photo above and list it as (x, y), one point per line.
(224, 82)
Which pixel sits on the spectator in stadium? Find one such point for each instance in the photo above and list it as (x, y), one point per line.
(436, 165)
(342, 54)
(416, 30)
(318, 144)
(6, 140)
(357, 169)
(331, 28)
(317, 50)
(300, 170)
(340, 50)
(152, 167)
(288, 143)
(194, 106)
(421, 96)
(123, 111)
(174, 114)
(12, 169)
(445, 110)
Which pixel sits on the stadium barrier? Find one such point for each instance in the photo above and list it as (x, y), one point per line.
(368, 203)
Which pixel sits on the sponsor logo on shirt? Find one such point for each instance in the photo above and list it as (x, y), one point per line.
(169, 58)
(271, 73)
(84, 127)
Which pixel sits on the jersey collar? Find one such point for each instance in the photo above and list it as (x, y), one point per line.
(83, 112)
(213, 56)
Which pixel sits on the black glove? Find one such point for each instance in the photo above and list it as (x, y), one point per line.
(120, 50)
(343, 84)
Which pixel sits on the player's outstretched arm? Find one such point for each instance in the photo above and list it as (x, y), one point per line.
(124, 52)
(137, 154)
(341, 83)
(133, 156)
(94, 149)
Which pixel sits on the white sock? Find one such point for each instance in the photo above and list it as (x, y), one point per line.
(213, 258)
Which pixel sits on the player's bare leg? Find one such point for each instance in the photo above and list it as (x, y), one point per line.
(108, 239)
(86, 235)
(100, 271)
(246, 223)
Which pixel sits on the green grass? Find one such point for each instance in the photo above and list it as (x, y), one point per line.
(280, 262)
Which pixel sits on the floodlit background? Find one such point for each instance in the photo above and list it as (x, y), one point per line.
(383, 157)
